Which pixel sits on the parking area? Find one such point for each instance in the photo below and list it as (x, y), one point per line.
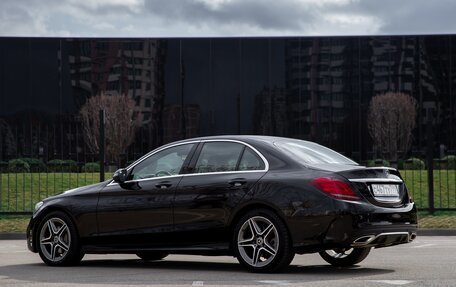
(429, 261)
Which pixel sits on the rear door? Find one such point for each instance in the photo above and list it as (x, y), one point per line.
(219, 177)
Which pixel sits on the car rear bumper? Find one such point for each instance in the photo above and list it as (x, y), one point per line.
(359, 227)
(377, 229)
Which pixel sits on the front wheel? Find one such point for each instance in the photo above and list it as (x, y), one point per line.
(58, 243)
(261, 242)
(344, 257)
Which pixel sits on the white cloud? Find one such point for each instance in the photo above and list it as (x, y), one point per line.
(214, 4)
(133, 5)
(173, 18)
(353, 24)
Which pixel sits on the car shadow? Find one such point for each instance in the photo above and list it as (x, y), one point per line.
(132, 271)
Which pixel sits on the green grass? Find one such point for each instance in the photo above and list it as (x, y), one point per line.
(14, 224)
(20, 191)
(440, 219)
(444, 187)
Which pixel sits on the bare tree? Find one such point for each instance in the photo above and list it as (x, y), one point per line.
(391, 120)
(121, 123)
(7, 140)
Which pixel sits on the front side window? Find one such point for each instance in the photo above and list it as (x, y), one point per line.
(218, 157)
(163, 163)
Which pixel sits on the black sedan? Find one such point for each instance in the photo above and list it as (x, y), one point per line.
(261, 199)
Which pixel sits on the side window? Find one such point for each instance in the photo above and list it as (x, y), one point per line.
(164, 163)
(218, 156)
(251, 161)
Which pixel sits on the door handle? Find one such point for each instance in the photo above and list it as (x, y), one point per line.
(163, 185)
(237, 182)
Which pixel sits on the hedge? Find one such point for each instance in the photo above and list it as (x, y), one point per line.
(91, 167)
(413, 163)
(378, 162)
(60, 165)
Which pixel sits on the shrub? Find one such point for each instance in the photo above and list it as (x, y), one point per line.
(438, 164)
(26, 164)
(91, 167)
(448, 162)
(18, 165)
(55, 165)
(36, 165)
(378, 162)
(3, 166)
(59, 165)
(414, 163)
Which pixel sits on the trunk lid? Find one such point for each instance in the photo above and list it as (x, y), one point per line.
(381, 186)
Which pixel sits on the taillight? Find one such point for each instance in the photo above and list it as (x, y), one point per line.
(335, 188)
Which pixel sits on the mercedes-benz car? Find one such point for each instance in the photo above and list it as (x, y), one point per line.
(261, 199)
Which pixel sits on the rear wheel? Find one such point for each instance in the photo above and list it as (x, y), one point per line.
(345, 256)
(58, 243)
(261, 242)
(151, 256)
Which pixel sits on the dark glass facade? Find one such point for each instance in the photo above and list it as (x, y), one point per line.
(314, 88)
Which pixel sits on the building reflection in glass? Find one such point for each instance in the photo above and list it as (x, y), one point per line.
(315, 88)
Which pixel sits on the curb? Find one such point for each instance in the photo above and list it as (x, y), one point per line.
(436, 232)
(421, 232)
(13, 236)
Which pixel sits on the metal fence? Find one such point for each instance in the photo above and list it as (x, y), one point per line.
(431, 182)
(434, 186)
(25, 182)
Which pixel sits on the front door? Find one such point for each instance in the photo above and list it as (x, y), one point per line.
(139, 212)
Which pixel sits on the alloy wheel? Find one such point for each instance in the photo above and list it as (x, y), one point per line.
(55, 239)
(258, 241)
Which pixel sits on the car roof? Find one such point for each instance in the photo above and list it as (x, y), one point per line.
(255, 140)
(246, 138)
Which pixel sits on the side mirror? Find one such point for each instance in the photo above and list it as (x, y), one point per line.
(120, 176)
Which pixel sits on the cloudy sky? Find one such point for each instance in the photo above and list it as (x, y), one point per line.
(194, 18)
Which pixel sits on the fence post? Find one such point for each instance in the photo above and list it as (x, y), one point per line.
(102, 145)
(430, 162)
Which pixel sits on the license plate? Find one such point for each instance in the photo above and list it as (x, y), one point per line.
(385, 190)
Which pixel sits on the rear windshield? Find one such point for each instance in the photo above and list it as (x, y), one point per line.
(312, 153)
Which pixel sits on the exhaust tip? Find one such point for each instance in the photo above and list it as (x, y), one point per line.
(363, 240)
(412, 236)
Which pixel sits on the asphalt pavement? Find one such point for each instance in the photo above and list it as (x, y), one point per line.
(429, 261)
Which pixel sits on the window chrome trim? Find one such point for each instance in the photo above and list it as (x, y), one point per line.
(265, 161)
(145, 179)
(186, 175)
(223, 172)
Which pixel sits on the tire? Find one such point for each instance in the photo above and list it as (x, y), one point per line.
(151, 256)
(261, 242)
(345, 257)
(58, 241)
